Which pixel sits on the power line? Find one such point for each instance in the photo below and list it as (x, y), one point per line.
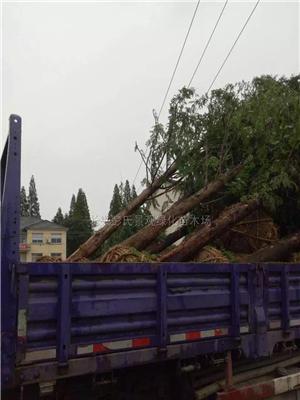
(207, 44)
(137, 172)
(202, 55)
(232, 47)
(179, 57)
(173, 75)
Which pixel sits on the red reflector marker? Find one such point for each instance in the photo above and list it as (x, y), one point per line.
(99, 348)
(193, 335)
(140, 342)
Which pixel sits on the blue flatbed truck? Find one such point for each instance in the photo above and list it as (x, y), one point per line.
(134, 327)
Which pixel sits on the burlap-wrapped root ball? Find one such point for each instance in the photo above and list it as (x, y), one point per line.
(210, 254)
(254, 232)
(119, 254)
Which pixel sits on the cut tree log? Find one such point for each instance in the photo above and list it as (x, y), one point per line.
(279, 251)
(160, 245)
(92, 244)
(149, 233)
(198, 239)
(167, 249)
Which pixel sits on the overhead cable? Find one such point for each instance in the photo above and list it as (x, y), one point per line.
(178, 59)
(233, 46)
(207, 44)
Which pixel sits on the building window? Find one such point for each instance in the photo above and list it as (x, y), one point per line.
(37, 237)
(56, 255)
(55, 238)
(35, 256)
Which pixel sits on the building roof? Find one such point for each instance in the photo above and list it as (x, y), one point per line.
(35, 223)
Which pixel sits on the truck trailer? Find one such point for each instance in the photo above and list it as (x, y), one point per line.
(142, 330)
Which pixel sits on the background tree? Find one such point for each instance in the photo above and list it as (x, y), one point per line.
(116, 203)
(59, 218)
(141, 218)
(33, 202)
(72, 205)
(24, 203)
(127, 195)
(68, 216)
(123, 194)
(133, 192)
(78, 221)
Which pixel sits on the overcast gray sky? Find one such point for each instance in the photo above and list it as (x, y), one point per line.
(85, 77)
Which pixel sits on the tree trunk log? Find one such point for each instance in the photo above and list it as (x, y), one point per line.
(160, 245)
(276, 252)
(167, 249)
(145, 236)
(203, 236)
(92, 244)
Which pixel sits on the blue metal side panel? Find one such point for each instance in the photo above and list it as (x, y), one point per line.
(10, 222)
(171, 311)
(114, 302)
(113, 307)
(106, 303)
(283, 286)
(199, 300)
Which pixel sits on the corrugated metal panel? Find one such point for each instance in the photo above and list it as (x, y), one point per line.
(274, 306)
(283, 305)
(294, 296)
(102, 307)
(108, 308)
(199, 301)
(245, 302)
(42, 311)
(113, 307)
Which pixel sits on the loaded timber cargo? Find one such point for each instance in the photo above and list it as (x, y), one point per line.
(137, 330)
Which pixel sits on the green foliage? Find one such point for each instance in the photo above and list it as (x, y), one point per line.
(123, 194)
(24, 203)
(79, 222)
(59, 218)
(126, 194)
(254, 123)
(116, 203)
(133, 192)
(33, 202)
(72, 205)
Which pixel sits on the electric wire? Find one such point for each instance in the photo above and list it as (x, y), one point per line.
(179, 57)
(202, 56)
(208, 42)
(173, 74)
(137, 172)
(233, 46)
